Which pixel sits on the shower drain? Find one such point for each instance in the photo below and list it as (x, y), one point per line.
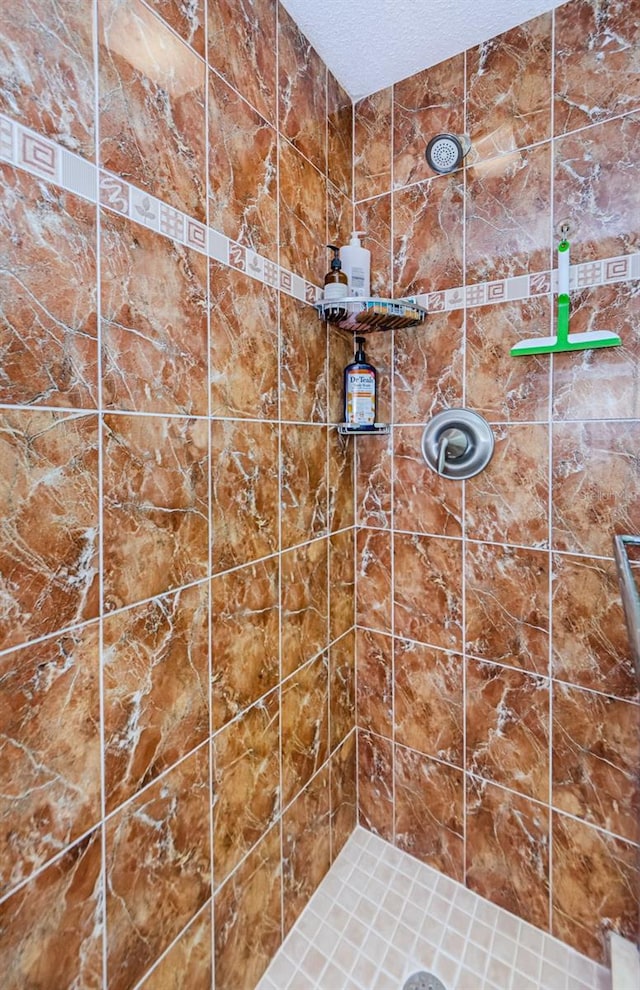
(424, 981)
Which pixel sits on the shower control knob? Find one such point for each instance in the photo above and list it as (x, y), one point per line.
(457, 444)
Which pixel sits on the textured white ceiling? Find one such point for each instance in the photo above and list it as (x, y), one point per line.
(370, 44)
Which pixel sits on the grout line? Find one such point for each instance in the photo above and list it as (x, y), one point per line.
(210, 530)
(99, 403)
(280, 548)
(464, 534)
(550, 415)
(391, 441)
(325, 327)
(493, 543)
(78, 411)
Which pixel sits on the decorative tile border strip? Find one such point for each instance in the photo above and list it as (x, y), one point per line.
(42, 157)
(591, 274)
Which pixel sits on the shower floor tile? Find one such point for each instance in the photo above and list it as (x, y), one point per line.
(380, 915)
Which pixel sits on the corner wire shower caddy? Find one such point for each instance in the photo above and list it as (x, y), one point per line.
(367, 315)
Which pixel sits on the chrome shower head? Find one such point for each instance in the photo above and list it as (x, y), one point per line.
(446, 152)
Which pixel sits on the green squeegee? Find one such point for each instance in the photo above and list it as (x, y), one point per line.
(565, 341)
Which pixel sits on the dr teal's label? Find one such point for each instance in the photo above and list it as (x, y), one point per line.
(361, 398)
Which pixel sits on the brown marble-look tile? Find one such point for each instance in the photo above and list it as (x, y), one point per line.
(48, 326)
(157, 862)
(339, 136)
(339, 217)
(188, 964)
(428, 590)
(247, 918)
(596, 754)
(594, 188)
(341, 352)
(372, 144)
(244, 637)
(509, 89)
(429, 811)
(241, 37)
(597, 74)
(344, 797)
(596, 484)
(590, 642)
(606, 386)
(304, 604)
(49, 751)
(428, 235)
(305, 729)
(155, 506)
(54, 925)
(595, 880)
(508, 502)
(375, 784)
(508, 215)
(373, 579)
(46, 75)
(427, 103)
(48, 523)
(246, 783)
(428, 701)
(507, 739)
(341, 583)
(507, 606)
(342, 676)
(375, 682)
(499, 387)
(423, 502)
(374, 217)
(302, 92)
(341, 512)
(373, 481)
(187, 20)
(243, 362)
(507, 851)
(303, 216)
(152, 99)
(243, 171)
(154, 322)
(244, 507)
(427, 369)
(306, 846)
(303, 363)
(155, 665)
(303, 483)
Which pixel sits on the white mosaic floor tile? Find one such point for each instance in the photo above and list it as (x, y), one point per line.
(379, 916)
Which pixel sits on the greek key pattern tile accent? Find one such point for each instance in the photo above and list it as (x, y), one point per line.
(27, 150)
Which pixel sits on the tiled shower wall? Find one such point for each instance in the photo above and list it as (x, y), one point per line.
(173, 498)
(497, 710)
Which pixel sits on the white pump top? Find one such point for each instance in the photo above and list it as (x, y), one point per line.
(355, 237)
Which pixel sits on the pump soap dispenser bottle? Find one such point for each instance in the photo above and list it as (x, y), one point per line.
(360, 387)
(356, 262)
(336, 285)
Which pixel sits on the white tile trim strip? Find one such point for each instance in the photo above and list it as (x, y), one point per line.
(380, 915)
(23, 148)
